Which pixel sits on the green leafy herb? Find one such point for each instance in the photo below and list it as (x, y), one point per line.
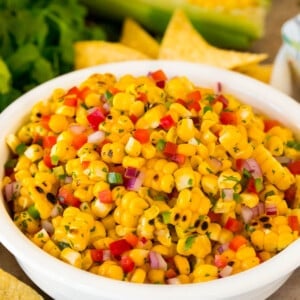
(189, 242)
(293, 144)
(20, 149)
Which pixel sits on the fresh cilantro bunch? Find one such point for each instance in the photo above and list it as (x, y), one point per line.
(36, 42)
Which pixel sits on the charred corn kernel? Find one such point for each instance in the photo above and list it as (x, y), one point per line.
(34, 152)
(71, 257)
(184, 178)
(156, 276)
(58, 123)
(182, 264)
(51, 248)
(249, 199)
(133, 147)
(123, 101)
(209, 183)
(138, 276)
(205, 272)
(185, 129)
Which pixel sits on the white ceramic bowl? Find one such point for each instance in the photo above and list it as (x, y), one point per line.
(62, 281)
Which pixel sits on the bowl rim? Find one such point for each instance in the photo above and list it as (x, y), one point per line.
(242, 86)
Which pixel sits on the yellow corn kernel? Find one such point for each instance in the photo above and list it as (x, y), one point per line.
(148, 151)
(205, 272)
(152, 212)
(92, 99)
(224, 206)
(225, 236)
(167, 183)
(198, 245)
(214, 230)
(270, 241)
(186, 149)
(139, 256)
(156, 276)
(12, 141)
(249, 199)
(182, 264)
(183, 279)
(138, 276)
(249, 262)
(275, 145)
(163, 250)
(185, 129)
(51, 248)
(71, 257)
(58, 123)
(264, 255)
(34, 152)
(123, 101)
(209, 183)
(184, 178)
(135, 162)
(99, 187)
(180, 110)
(284, 239)
(245, 252)
(257, 239)
(98, 231)
(151, 118)
(97, 170)
(62, 151)
(100, 209)
(87, 260)
(103, 243)
(229, 179)
(108, 222)
(184, 199)
(133, 147)
(137, 109)
(41, 237)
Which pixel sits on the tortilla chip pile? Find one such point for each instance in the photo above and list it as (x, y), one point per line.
(13, 289)
(181, 41)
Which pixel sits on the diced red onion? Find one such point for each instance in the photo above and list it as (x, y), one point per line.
(131, 172)
(270, 209)
(96, 137)
(283, 159)
(77, 129)
(252, 166)
(247, 214)
(11, 190)
(173, 280)
(134, 183)
(106, 106)
(106, 254)
(227, 194)
(68, 179)
(223, 248)
(219, 87)
(157, 261)
(47, 225)
(226, 271)
(261, 208)
(56, 210)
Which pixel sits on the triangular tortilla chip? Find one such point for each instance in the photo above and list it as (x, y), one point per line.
(91, 53)
(134, 36)
(182, 41)
(261, 72)
(13, 289)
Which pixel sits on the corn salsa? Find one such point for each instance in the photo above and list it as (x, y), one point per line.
(153, 179)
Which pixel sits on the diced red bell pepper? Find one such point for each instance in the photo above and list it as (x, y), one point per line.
(79, 140)
(47, 160)
(45, 121)
(158, 75)
(66, 197)
(194, 105)
(142, 135)
(220, 261)
(228, 118)
(233, 225)
(289, 195)
(214, 217)
(133, 118)
(49, 141)
(97, 255)
(221, 98)
(127, 263)
(71, 100)
(194, 96)
(167, 122)
(95, 117)
(132, 239)
(142, 97)
(170, 149)
(293, 222)
(178, 158)
(294, 167)
(118, 247)
(105, 196)
(181, 101)
(269, 123)
(237, 241)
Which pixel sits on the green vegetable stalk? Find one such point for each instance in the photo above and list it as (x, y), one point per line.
(227, 28)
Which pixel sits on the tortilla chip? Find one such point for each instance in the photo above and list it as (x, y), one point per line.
(182, 41)
(135, 37)
(13, 289)
(91, 53)
(261, 72)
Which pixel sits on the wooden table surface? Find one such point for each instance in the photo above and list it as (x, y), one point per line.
(281, 10)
